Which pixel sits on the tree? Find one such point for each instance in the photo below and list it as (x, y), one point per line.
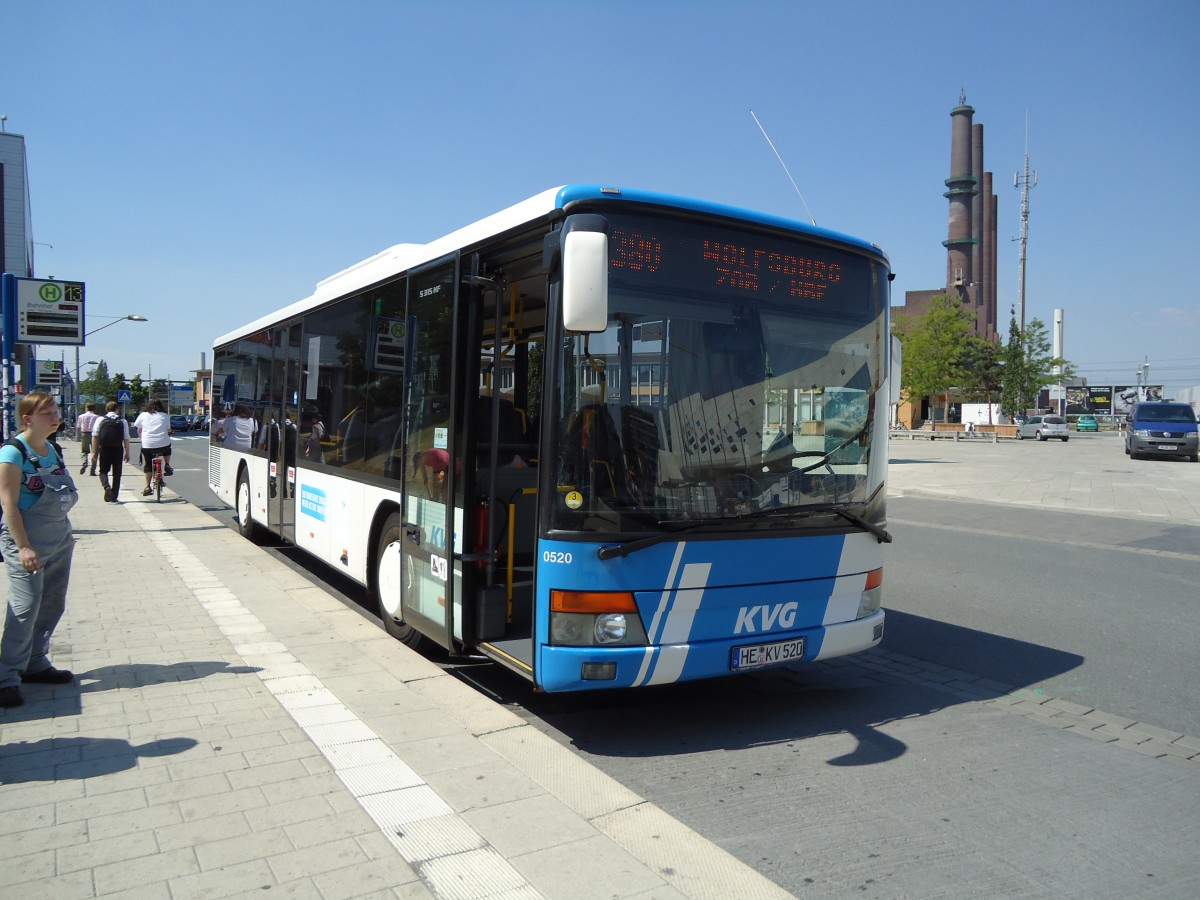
(97, 386)
(935, 347)
(139, 391)
(159, 389)
(1028, 366)
(982, 371)
(120, 383)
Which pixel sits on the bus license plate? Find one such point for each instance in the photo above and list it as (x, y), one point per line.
(758, 655)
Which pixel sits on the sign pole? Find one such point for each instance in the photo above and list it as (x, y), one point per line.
(8, 325)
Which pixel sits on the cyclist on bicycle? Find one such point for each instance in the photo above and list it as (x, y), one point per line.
(154, 431)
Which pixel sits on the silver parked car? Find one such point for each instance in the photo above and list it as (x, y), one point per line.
(1042, 427)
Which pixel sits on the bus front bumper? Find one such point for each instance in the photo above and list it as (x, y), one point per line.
(599, 668)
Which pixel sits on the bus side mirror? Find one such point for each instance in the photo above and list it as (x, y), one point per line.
(896, 370)
(585, 281)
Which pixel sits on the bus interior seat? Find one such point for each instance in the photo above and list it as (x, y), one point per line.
(595, 444)
(512, 438)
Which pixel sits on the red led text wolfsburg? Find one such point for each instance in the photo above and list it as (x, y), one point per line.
(743, 267)
(722, 264)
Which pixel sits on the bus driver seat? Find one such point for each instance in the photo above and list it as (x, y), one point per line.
(595, 458)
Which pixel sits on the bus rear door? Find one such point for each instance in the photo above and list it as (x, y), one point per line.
(281, 437)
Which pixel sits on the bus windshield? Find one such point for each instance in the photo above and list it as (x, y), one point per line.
(711, 400)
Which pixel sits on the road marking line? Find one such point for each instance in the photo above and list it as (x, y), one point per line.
(1086, 545)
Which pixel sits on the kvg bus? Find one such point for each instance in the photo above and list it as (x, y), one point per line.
(605, 437)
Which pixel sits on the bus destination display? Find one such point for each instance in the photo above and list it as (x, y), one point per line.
(714, 260)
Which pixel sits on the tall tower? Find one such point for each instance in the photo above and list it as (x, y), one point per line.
(962, 188)
(971, 248)
(1024, 183)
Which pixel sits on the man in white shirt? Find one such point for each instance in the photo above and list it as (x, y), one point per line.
(83, 425)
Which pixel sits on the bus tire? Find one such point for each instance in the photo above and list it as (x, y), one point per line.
(247, 527)
(384, 579)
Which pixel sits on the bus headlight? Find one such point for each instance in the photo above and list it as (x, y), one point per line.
(872, 595)
(610, 628)
(570, 629)
(595, 618)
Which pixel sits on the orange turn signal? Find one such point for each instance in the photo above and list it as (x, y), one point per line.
(874, 579)
(592, 602)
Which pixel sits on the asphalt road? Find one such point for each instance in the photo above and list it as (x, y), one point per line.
(995, 590)
(846, 777)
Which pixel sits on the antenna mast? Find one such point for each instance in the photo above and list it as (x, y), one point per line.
(1024, 183)
(785, 168)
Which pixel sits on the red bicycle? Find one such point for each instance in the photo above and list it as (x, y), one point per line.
(156, 477)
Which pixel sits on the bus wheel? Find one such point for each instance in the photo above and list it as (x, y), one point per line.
(386, 583)
(246, 525)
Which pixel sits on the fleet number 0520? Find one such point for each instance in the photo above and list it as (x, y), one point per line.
(556, 556)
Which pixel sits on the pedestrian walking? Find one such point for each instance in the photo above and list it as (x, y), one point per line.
(84, 425)
(110, 445)
(36, 493)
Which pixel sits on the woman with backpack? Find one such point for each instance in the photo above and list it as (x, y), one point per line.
(36, 493)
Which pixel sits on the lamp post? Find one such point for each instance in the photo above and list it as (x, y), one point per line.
(115, 320)
(89, 362)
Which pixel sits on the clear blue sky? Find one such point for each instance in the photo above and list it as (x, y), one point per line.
(202, 164)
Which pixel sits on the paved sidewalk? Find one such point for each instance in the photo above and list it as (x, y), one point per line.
(234, 729)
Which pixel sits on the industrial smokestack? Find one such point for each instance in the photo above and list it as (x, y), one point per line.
(962, 188)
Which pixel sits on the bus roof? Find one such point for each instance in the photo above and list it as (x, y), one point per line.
(402, 257)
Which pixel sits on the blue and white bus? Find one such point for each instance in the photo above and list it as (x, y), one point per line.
(606, 437)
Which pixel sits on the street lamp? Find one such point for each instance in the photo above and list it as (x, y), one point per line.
(131, 318)
(115, 320)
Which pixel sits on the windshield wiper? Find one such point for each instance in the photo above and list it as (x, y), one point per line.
(856, 519)
(805, 512)
(776, 518)
(618, 550)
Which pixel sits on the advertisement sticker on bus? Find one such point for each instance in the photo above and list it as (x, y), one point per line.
(312, 502)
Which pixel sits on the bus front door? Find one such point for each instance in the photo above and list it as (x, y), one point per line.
(430, 534)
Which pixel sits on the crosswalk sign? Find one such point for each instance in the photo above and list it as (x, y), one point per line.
(124, 396)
